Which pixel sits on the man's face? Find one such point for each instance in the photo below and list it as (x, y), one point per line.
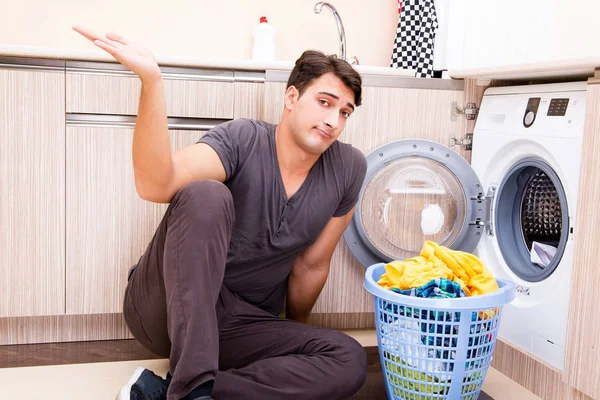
(318, 117)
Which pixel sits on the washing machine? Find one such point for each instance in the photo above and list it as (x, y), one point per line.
(514, 206)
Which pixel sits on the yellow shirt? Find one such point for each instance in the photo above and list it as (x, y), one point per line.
(438, 261)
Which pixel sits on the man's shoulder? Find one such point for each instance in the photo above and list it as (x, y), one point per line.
(346, 153)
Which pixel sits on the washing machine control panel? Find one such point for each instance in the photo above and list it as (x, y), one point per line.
(558, 107)
(531, 111)
(558, 111)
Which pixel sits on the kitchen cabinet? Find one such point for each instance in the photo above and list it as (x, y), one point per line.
(32, 190)
(273, 102)
(249, 99)
(108, 226)
(582, 363)
(100, 88)
(496, 34)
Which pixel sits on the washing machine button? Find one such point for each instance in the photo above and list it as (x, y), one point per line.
(529, 118)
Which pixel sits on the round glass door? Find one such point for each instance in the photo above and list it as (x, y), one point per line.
(415, 191)
(409, 201)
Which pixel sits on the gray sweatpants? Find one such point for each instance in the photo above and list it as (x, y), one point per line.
(177, 306)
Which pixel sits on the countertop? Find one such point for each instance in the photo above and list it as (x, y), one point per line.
(180, 61)
(568, 68)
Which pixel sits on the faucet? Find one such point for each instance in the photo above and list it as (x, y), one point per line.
(340, 27)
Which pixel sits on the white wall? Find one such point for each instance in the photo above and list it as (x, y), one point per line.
(206, 28)
(481, 33)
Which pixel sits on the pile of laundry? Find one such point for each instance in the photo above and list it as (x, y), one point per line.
(439, 273)
(419, 343)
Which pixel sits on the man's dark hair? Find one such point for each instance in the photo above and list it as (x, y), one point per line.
(313, 64)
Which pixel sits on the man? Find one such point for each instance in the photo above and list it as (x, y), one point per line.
(255, 213)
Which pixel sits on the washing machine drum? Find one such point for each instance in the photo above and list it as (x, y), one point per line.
(417, 190)
(414, 191)
(532, 219)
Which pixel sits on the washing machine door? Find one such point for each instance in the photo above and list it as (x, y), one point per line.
(415, 191)
(531, 218)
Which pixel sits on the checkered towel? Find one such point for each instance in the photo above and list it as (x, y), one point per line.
(415, 37)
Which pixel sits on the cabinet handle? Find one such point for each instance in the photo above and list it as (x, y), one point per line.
(31, 64)
(128, 121)
(174, 73)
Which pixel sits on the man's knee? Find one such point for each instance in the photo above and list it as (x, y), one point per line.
(208, 190)
(206, 198)
(353, 359)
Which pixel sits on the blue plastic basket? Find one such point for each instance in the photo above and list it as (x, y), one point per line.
(434, 349)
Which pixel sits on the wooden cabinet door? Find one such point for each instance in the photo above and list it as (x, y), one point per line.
(273, 102)
(582, 359)
(249, 100)
(108, 225)
(32, 192)
(101, 91)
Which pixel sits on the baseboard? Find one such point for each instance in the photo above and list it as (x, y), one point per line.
(80, 328)
(62, 328)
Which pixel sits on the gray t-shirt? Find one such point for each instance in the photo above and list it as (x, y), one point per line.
(270, 230)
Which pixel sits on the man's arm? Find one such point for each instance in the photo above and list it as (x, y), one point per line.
(310, 270)
(158, 173)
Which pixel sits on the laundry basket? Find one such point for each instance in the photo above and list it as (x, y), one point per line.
(434, 349)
